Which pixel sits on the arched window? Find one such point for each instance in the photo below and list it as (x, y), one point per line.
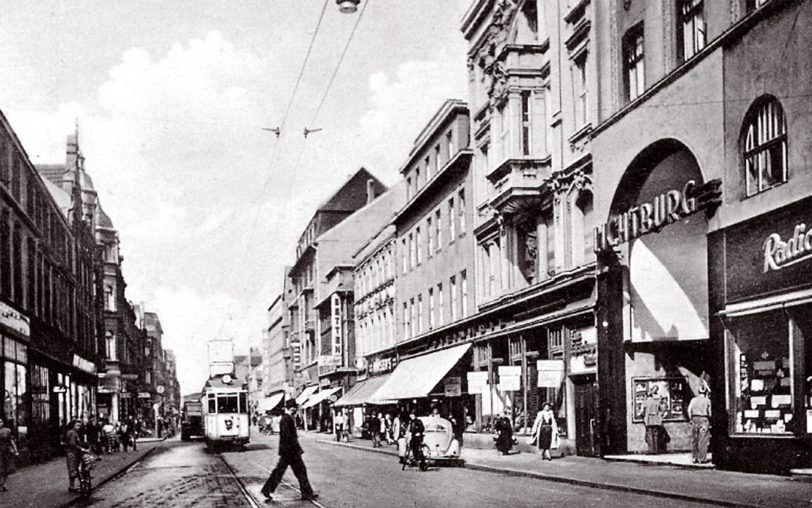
(764, 145)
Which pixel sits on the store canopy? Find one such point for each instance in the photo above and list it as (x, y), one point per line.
(270, 403)
(782, 301)
(306, 393)
(319, 397)
(362, 393)
(417, 377)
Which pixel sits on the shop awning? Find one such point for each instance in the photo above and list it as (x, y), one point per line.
(362, 393)
(417, 377)
(306, 393)
(319, 397)
(270, 403)
(768, 303)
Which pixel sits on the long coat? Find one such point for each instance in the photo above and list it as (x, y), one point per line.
(288, 438)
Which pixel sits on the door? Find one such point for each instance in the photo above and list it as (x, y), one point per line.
(586, 413)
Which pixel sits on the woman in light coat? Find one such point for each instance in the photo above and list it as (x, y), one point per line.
(545, 430)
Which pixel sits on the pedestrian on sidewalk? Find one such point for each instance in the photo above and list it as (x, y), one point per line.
(653, 419)
(545, 431)
(387, 425)
(92, 430)
(125, 432)
(73, 452)
(699, 410)
(290, 454)
(8, 450)
(338, 424)
(374, 428)
(504, 433)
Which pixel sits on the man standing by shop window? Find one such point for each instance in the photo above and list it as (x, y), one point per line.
(290, 454)
(699, 409)
(653, 418)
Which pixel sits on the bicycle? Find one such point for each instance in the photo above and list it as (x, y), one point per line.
(418, 459)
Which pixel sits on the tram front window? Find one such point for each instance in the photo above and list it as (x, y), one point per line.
(227, 403)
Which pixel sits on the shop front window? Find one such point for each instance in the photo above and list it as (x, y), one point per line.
(802, 318)
(761, 374)
(40, 402)
(15, 379)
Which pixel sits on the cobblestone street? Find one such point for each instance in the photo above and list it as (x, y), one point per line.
(178, 475)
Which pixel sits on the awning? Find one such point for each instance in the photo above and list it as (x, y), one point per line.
(306, 393)
(319, 397)
(362, 393)
(768, 303)
(270, 403)
(417, 377)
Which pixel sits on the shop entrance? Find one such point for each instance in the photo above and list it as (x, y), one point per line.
(586, 414)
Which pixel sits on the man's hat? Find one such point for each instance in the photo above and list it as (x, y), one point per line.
(291, 404)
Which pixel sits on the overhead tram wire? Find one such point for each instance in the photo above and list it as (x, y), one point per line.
(323, 98)
(274, 148)
(340, 60)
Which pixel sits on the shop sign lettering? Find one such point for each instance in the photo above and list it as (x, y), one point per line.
(382, 365)
(14, 320)
(779, 253)
(667, 208)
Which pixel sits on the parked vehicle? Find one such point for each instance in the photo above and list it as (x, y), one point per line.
(191, 420)
(439, 440)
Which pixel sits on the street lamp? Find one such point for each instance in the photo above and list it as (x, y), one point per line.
(348, 6)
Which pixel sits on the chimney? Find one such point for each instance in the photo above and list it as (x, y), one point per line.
(370, 190)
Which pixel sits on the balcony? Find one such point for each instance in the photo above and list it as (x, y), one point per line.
(518, 182)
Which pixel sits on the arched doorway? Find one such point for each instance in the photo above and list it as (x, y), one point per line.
(653, 298)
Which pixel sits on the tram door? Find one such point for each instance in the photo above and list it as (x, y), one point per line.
(586, 415)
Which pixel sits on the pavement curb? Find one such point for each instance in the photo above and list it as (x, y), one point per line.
(79, 499)
(564, 479)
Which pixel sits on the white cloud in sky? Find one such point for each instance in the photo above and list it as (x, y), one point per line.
(207, 212)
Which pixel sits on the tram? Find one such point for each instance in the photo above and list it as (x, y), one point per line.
(225, 412)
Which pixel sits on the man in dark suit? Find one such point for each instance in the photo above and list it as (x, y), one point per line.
(290, 454)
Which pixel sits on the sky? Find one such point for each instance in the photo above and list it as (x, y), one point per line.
(170, 100)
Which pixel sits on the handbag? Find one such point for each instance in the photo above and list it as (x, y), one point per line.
(555, 442)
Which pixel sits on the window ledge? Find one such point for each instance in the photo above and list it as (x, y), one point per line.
(759, 193)
(756, 435)
(580, 133)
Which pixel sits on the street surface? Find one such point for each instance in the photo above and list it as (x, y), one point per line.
(183, 474)
(175, 475)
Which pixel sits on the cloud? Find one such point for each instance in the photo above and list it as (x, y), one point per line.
(190, 319)
(400, 107)
(207, 205)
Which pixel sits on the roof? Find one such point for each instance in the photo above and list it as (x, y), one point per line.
(52, 172)
(103, 221)
(341, 198)
(62, 198)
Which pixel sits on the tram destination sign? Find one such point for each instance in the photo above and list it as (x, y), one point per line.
(652, 216)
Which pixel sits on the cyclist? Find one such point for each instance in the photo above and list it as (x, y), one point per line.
(417, 430)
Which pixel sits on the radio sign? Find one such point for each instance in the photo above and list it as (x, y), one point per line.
(779, 253)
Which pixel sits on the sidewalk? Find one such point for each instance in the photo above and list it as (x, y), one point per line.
(44, 485)
(723, 488)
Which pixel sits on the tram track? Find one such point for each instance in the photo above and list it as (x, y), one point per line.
(253, 500)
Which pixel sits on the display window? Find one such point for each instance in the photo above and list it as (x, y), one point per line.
(40, 400)
(15, 384)
(802, 317)
(761, 374)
